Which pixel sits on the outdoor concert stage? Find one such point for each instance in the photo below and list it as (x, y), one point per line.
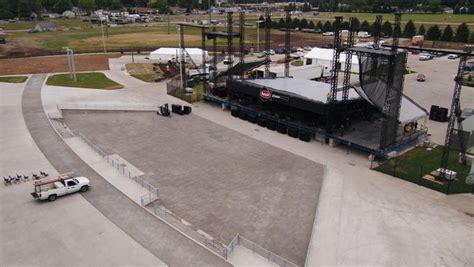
(304, 105)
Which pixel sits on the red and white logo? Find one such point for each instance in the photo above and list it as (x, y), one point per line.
(265, 94)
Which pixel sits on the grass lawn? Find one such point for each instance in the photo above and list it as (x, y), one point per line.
(417, 162)
(13, 79)
(145, 72)
(93, 80)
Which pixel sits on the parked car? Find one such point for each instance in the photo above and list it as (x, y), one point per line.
(280, 51)
(425, 56)
(64, 184)
(271, 52)
(262, 55)
(420, 77)
(328, 33)
(453, 56)
(228, 60)
(307, 48)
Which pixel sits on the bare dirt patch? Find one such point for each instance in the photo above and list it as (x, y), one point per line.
(143, 39)
(53, 64)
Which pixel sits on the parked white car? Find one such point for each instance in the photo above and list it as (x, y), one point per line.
(425, 56)
(51, 189)
(328, 33)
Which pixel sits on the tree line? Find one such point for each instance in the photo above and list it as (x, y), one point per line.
(23, 8)
(433, 33)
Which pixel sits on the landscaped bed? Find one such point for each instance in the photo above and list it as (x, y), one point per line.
(93, 80)
(13, 79)
(145, 72)
(418, 162)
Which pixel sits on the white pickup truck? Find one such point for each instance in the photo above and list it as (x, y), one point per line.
(51, 189)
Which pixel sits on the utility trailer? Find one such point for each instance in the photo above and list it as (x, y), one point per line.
(64, 184)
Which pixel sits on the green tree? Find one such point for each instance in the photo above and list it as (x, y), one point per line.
(345, 25)
(365, 27)
(387, 28)
(87, 5)
(410, 30)
(356, 24)
(327, 27)
(471, 38)
(421, 30)
(433, 33)
(296, 23)
(462, 33)
(281, 24)
(62, 5)
(319, 25)
(447, 35)
(303, 24)
(311, 24)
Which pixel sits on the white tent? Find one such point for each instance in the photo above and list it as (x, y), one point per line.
(323, 56)
(167, 53)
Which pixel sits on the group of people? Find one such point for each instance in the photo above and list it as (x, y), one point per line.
(9, 180)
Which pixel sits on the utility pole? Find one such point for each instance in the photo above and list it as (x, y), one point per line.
(71, 64)
(210, 12)
(103, 37)
(169, 31)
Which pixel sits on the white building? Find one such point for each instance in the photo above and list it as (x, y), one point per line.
(173, 54)
(323, 57)
(310, 72)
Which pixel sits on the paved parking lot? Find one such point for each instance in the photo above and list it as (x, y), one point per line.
(221, 181)
(436, 90)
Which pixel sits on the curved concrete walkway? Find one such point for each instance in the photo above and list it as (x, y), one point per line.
(69, 231)
(160, 239)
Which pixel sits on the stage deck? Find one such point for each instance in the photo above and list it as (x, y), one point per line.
(304, 88)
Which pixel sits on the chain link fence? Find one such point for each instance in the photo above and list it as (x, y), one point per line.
(107, 107)
(153, 192)
(423, 171)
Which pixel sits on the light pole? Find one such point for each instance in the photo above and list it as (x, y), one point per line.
(210, 12)
(258, 34)
(103, 37)
(71, 64)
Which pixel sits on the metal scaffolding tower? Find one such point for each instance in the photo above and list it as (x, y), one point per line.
(348, 63)
(396, 31)
(230, 44)
(287, 46)
(454, 114)
(267, 42)
(214, 58)
(203, 47)
(242, 37)
(336, 65)
(377, 31)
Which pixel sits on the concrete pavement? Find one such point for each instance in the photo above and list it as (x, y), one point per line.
(69, 231)
(368, 218)
(151, 233)
(364, 217)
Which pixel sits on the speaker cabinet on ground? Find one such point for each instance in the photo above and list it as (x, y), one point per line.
(262, 122)
(434, 111)
(178, 109)
(252, 118)
(281, 128)
(305, 136)
(234, 112)
(443, 114)
(243, 115)
(271, 125)
(293, 132)
(187, 110)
